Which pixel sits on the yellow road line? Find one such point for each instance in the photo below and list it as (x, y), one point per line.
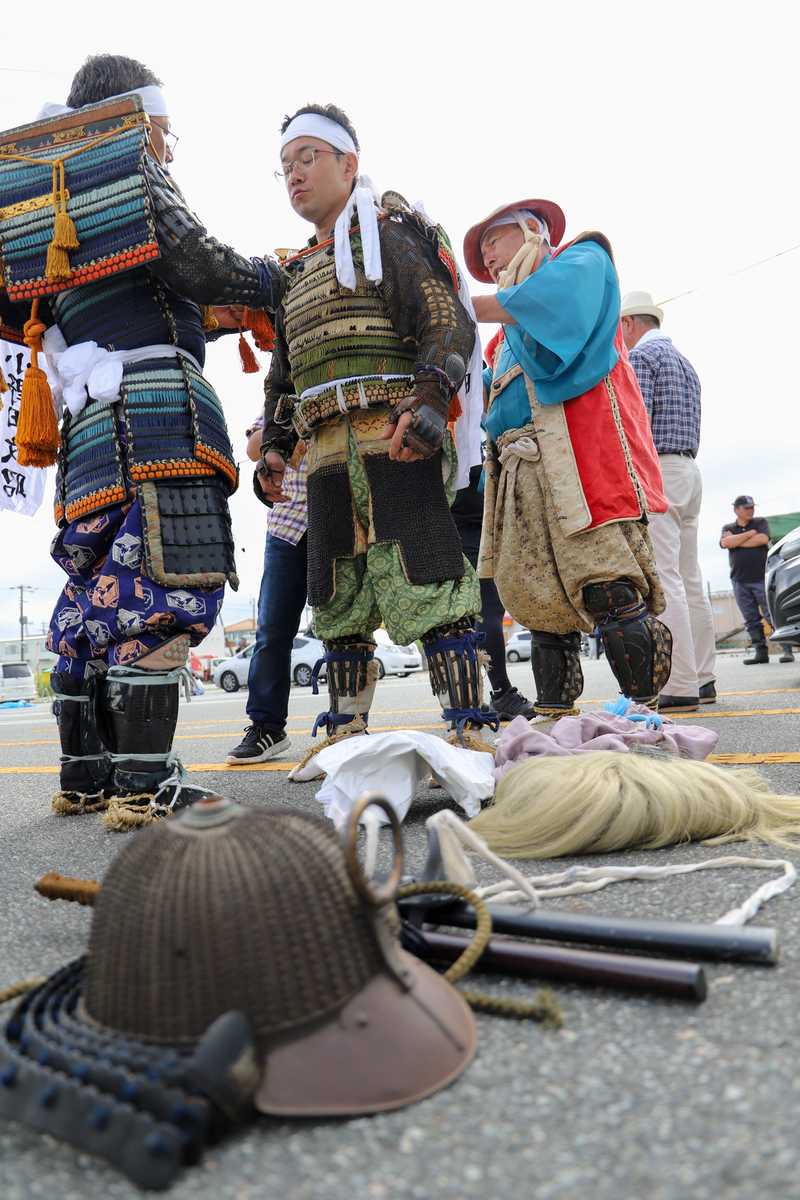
(703, 713)
(776, 756)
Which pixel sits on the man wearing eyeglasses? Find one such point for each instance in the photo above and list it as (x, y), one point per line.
(372, 345)
(145, 474)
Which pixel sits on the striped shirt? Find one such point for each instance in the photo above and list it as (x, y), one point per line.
(671, 392)
(289, 519)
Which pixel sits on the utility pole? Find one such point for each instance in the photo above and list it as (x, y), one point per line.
(22, 588)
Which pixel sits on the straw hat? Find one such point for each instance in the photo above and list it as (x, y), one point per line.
(641, 304)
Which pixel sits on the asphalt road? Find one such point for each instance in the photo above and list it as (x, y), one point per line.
(637, 1098)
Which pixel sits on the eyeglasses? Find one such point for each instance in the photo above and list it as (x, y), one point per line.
(305, 161)
(169, 137)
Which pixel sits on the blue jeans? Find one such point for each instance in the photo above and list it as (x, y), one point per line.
(751, 597)
(280, 607)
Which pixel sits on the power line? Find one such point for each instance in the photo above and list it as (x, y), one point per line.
(730, 274)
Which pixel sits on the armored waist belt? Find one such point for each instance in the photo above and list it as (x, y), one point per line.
(342, 397)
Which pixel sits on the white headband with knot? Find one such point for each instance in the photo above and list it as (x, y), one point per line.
(153, 103)
(318, 126)
(362, 200)
(521, 216)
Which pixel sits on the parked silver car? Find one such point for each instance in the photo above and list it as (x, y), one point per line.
(231, 673)
(518, 646)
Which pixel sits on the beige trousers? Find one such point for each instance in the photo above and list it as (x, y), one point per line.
(540, 572)
(688, 612)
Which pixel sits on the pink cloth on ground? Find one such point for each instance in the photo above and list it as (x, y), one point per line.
(597, 731)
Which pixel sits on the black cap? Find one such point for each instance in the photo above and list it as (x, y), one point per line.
(744, 502)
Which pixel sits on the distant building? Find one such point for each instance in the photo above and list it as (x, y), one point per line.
(35, 653)
(241, 633)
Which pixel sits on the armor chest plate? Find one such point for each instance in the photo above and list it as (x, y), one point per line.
(333, 333)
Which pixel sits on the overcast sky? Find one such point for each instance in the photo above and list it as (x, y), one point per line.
(671, 128)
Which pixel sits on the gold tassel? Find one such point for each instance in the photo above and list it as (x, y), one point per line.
(246, 354)
(209, 318)
(65, 234)
(57, 266)
(37, 429)
(3, 384)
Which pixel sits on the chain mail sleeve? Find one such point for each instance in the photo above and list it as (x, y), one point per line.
(425, 310)
(422, 304)
(279, 398)
(196, 265)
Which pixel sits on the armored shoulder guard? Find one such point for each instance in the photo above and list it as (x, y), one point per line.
(196, 265)
(74, 205)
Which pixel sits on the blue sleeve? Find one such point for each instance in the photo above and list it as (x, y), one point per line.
(487, 377)
(566, 317)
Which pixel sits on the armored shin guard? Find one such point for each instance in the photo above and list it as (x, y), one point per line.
(352, 674)
(556, 662)
(638, 647)
(455, 666)
(86, 767)
(140, 714)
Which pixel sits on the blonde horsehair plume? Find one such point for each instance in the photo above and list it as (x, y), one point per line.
(595, 803)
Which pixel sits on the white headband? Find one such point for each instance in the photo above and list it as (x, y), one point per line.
(521, 216)
(153, 103)
(315, 125)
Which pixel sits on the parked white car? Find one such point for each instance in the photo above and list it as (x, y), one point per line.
(518, 646)
(17, 682)
(231, 673)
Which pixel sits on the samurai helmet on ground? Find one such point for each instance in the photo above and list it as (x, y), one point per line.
(238, 960)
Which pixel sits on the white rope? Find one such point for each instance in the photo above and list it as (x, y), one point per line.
(454, 837)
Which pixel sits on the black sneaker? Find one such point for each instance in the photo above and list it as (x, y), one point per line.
(510, 704)
(258, 745)
(708, 693)
(786, 657)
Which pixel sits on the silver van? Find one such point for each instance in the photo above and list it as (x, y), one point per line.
(16, 682)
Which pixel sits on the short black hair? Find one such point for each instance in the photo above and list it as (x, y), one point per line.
(104, 75)
(325, 110)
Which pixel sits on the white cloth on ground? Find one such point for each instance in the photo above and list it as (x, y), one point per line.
(397, 764)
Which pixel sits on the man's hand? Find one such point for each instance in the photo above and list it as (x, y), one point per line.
(488, 308)
(229, 316)
(396, 431)
(270, 472)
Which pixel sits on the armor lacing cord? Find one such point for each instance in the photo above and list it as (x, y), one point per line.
(544, 1007)
(19, 989)
(143, 678)
(142, 808)
(575, 881)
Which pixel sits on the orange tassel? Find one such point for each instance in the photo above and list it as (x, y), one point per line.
(455, 410)
(3, 384)
(37, 428)
(259, 324)
(249, 360)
